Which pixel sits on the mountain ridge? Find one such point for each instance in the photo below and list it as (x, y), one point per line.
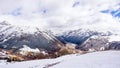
(11, 35)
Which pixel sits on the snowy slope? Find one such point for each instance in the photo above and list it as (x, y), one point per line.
(105, 59)
(109, 59)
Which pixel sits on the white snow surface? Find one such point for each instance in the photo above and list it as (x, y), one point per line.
(3, 55)
(104, 59)
(28, 49)
(110, 38)
(114, 38)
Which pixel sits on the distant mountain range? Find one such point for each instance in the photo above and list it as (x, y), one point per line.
(15, 37)
(95, 40)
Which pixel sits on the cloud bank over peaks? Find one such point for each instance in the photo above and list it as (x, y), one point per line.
(60, 15)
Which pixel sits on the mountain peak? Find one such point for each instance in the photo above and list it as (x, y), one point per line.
(4, 23)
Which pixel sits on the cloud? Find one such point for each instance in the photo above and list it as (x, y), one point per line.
(59, 14)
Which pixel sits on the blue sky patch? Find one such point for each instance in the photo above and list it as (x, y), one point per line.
(115, 13)
(75, 4)
(16, 12)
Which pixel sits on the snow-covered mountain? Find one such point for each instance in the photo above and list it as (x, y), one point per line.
(91, 40)
(15, 37)
(100, 43)
(80, 35)
(18, 37)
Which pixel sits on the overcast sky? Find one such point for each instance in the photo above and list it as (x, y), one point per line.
(61, 13)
